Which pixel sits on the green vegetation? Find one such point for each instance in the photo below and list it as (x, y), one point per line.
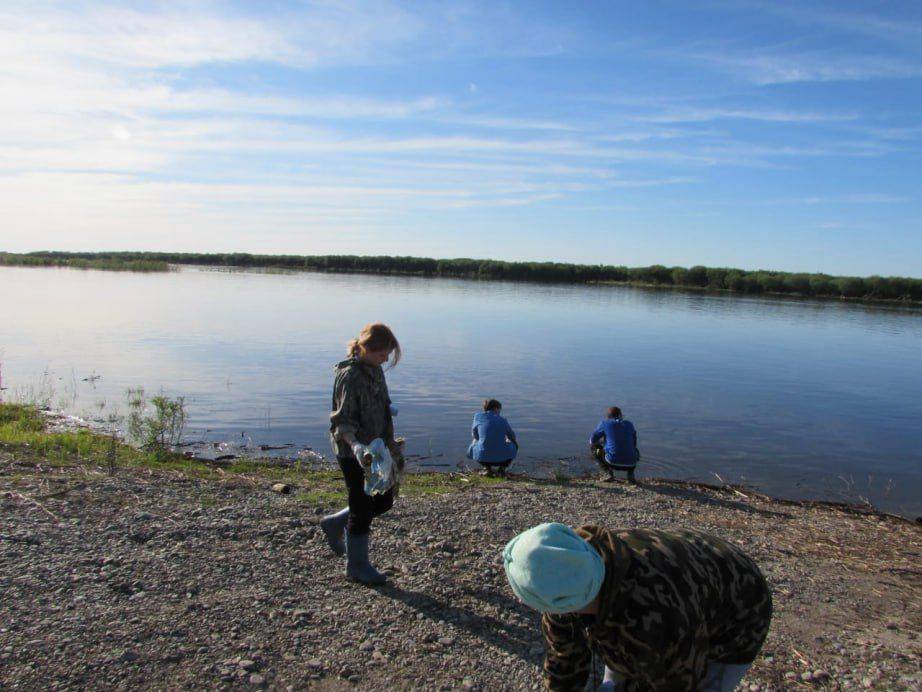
(160, 430)
(104, 263)
(700, 278)
(23, 427)
(23, 430)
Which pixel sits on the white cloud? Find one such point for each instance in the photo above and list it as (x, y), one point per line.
(501, 123)
(772, 66)
(187, 34)
(160, 121)
(861, 198)
(888, 30)
(707, 114)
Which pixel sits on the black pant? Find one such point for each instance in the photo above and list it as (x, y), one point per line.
(605, 465)
(495, 464)
(362, 508)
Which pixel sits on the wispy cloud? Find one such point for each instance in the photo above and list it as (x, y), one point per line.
(337, 118)
(501, 123)
(778, 66)
(887, 29)
(183, 35)
(860, 198)
(708, 114)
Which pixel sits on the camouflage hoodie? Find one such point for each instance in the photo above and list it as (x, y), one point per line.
(361, 405)
(670, 603)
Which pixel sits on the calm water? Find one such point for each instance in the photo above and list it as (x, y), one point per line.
(800, 399)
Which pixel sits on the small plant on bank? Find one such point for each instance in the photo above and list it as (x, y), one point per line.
(159, 430)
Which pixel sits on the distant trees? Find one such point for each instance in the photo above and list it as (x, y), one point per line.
(711, 278)
(82, 262)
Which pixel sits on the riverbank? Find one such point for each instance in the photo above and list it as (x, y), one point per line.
(130, 570)
(897, 290)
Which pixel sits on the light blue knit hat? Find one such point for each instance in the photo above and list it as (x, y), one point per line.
(551, 569)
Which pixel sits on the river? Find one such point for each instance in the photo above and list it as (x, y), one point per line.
(798, 398)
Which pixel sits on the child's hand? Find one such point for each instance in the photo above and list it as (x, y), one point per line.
(362, 455)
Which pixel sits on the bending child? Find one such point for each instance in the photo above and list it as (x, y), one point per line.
(680, 610)
(614, 445)
(494, 446)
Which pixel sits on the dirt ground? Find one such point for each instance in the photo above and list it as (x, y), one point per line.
(142, 579)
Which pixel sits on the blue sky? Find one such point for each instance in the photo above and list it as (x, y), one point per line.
(744, 133)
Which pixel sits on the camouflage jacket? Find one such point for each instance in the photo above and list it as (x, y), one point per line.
(670, 602)
(361, 406)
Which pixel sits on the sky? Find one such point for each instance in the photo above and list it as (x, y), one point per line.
(776, 135)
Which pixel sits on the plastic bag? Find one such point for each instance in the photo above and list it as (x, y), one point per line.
(380, 476)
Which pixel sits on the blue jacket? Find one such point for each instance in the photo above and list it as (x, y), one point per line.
(490, 431)
(620, 441)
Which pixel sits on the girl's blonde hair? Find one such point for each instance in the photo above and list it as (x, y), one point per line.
(375, 337)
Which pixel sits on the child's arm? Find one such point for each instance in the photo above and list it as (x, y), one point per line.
(597, 435)
(511, 435)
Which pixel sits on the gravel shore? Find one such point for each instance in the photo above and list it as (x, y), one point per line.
(156, 579)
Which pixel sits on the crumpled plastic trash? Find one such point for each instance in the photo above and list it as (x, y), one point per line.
(380, 476)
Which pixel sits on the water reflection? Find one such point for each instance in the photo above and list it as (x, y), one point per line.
(793, 396)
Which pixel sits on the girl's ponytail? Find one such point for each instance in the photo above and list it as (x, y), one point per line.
(374, 337)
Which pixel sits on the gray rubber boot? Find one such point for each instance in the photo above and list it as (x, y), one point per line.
(334, 528)
(358, 568)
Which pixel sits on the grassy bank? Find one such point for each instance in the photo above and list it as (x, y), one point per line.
(726, 279)
(24, 428)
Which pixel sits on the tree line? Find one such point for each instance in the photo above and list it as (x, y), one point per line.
(711, 278)
(105, 263)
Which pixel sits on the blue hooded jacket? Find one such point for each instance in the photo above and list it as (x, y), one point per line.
(490, 431)
(620, 441)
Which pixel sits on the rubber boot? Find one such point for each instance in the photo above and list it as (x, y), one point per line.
(334, 528)
(358, 568)
(630, 477)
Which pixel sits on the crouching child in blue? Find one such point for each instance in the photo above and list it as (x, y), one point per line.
(494, 446)
(614, 444)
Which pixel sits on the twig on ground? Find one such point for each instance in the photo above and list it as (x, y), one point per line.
(803, 659)
(32, 500)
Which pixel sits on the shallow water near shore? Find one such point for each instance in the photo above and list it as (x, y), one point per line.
(800, 399)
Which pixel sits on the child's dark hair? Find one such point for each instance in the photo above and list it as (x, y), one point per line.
(614, 412)
(491, 405)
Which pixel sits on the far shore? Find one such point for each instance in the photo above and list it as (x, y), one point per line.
(895, 290)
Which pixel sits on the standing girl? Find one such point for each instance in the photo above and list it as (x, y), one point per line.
(361, 413)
